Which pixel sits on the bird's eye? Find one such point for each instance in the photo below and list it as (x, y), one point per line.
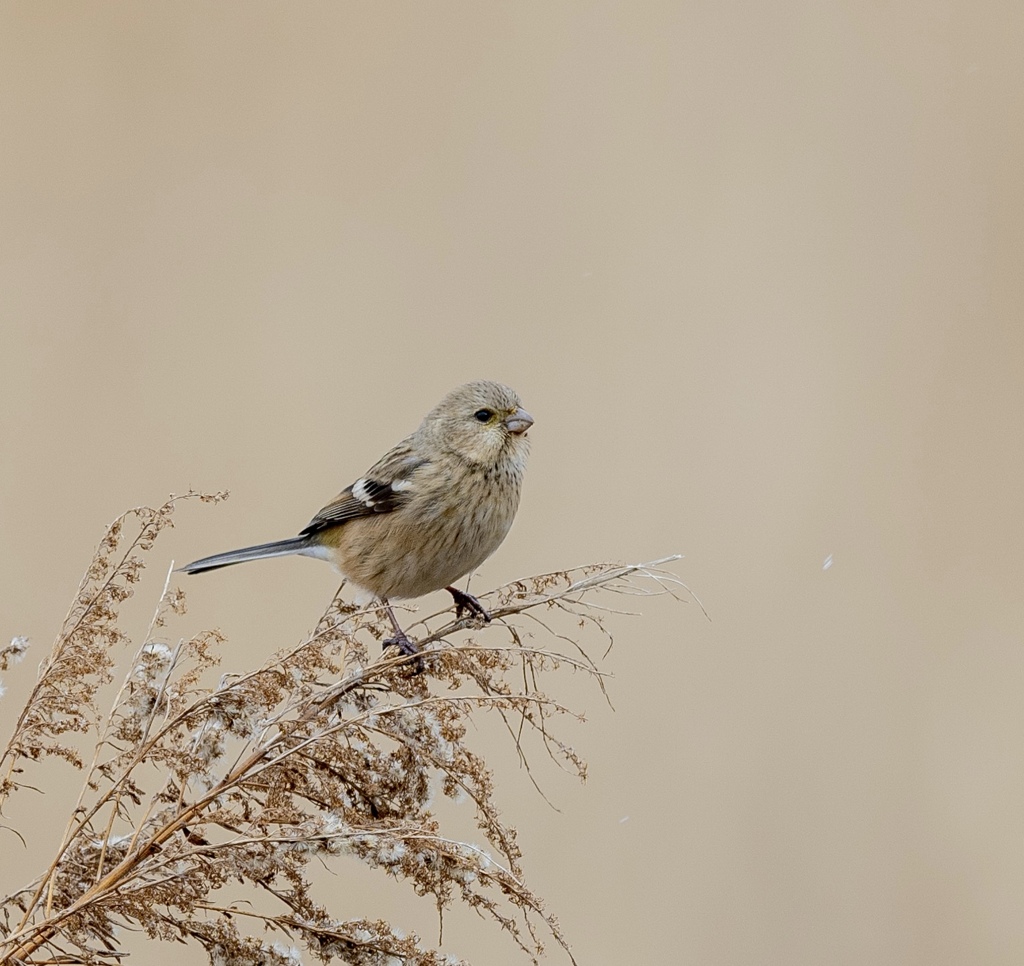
(483, 415)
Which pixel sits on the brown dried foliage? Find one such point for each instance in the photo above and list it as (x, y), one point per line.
(323, 753)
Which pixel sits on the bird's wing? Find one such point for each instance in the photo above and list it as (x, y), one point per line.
(384, 488)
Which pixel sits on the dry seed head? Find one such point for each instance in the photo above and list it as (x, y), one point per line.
(321, 755)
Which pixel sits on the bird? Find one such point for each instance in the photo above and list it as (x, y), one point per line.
(429, 511)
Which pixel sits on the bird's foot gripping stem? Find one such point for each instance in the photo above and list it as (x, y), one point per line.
(464, 601)
(402, 641)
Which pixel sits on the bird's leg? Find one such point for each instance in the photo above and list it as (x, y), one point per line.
(401, 639)
(465, 601)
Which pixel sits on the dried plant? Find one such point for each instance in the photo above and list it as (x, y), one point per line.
(195, 788)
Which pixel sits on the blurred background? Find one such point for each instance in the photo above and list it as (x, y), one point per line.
(756, 269)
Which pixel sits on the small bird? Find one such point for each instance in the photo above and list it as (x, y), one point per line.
(428, 512)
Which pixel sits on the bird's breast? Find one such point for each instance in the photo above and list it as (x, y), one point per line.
(442, 533)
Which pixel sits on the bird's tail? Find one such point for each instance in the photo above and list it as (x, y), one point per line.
(279, 548)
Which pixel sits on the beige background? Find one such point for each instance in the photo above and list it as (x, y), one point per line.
(756, 270)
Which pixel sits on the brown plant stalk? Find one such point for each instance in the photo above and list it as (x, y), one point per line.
(195, 786)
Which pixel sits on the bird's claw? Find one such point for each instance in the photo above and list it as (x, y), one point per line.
(465, 601)
(402, 642)
(406, 648)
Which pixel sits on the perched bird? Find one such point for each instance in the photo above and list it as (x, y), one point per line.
(428, 512)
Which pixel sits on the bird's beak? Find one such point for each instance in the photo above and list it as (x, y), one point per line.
(519, 422)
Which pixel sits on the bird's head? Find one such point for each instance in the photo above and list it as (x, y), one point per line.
(483, 422)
